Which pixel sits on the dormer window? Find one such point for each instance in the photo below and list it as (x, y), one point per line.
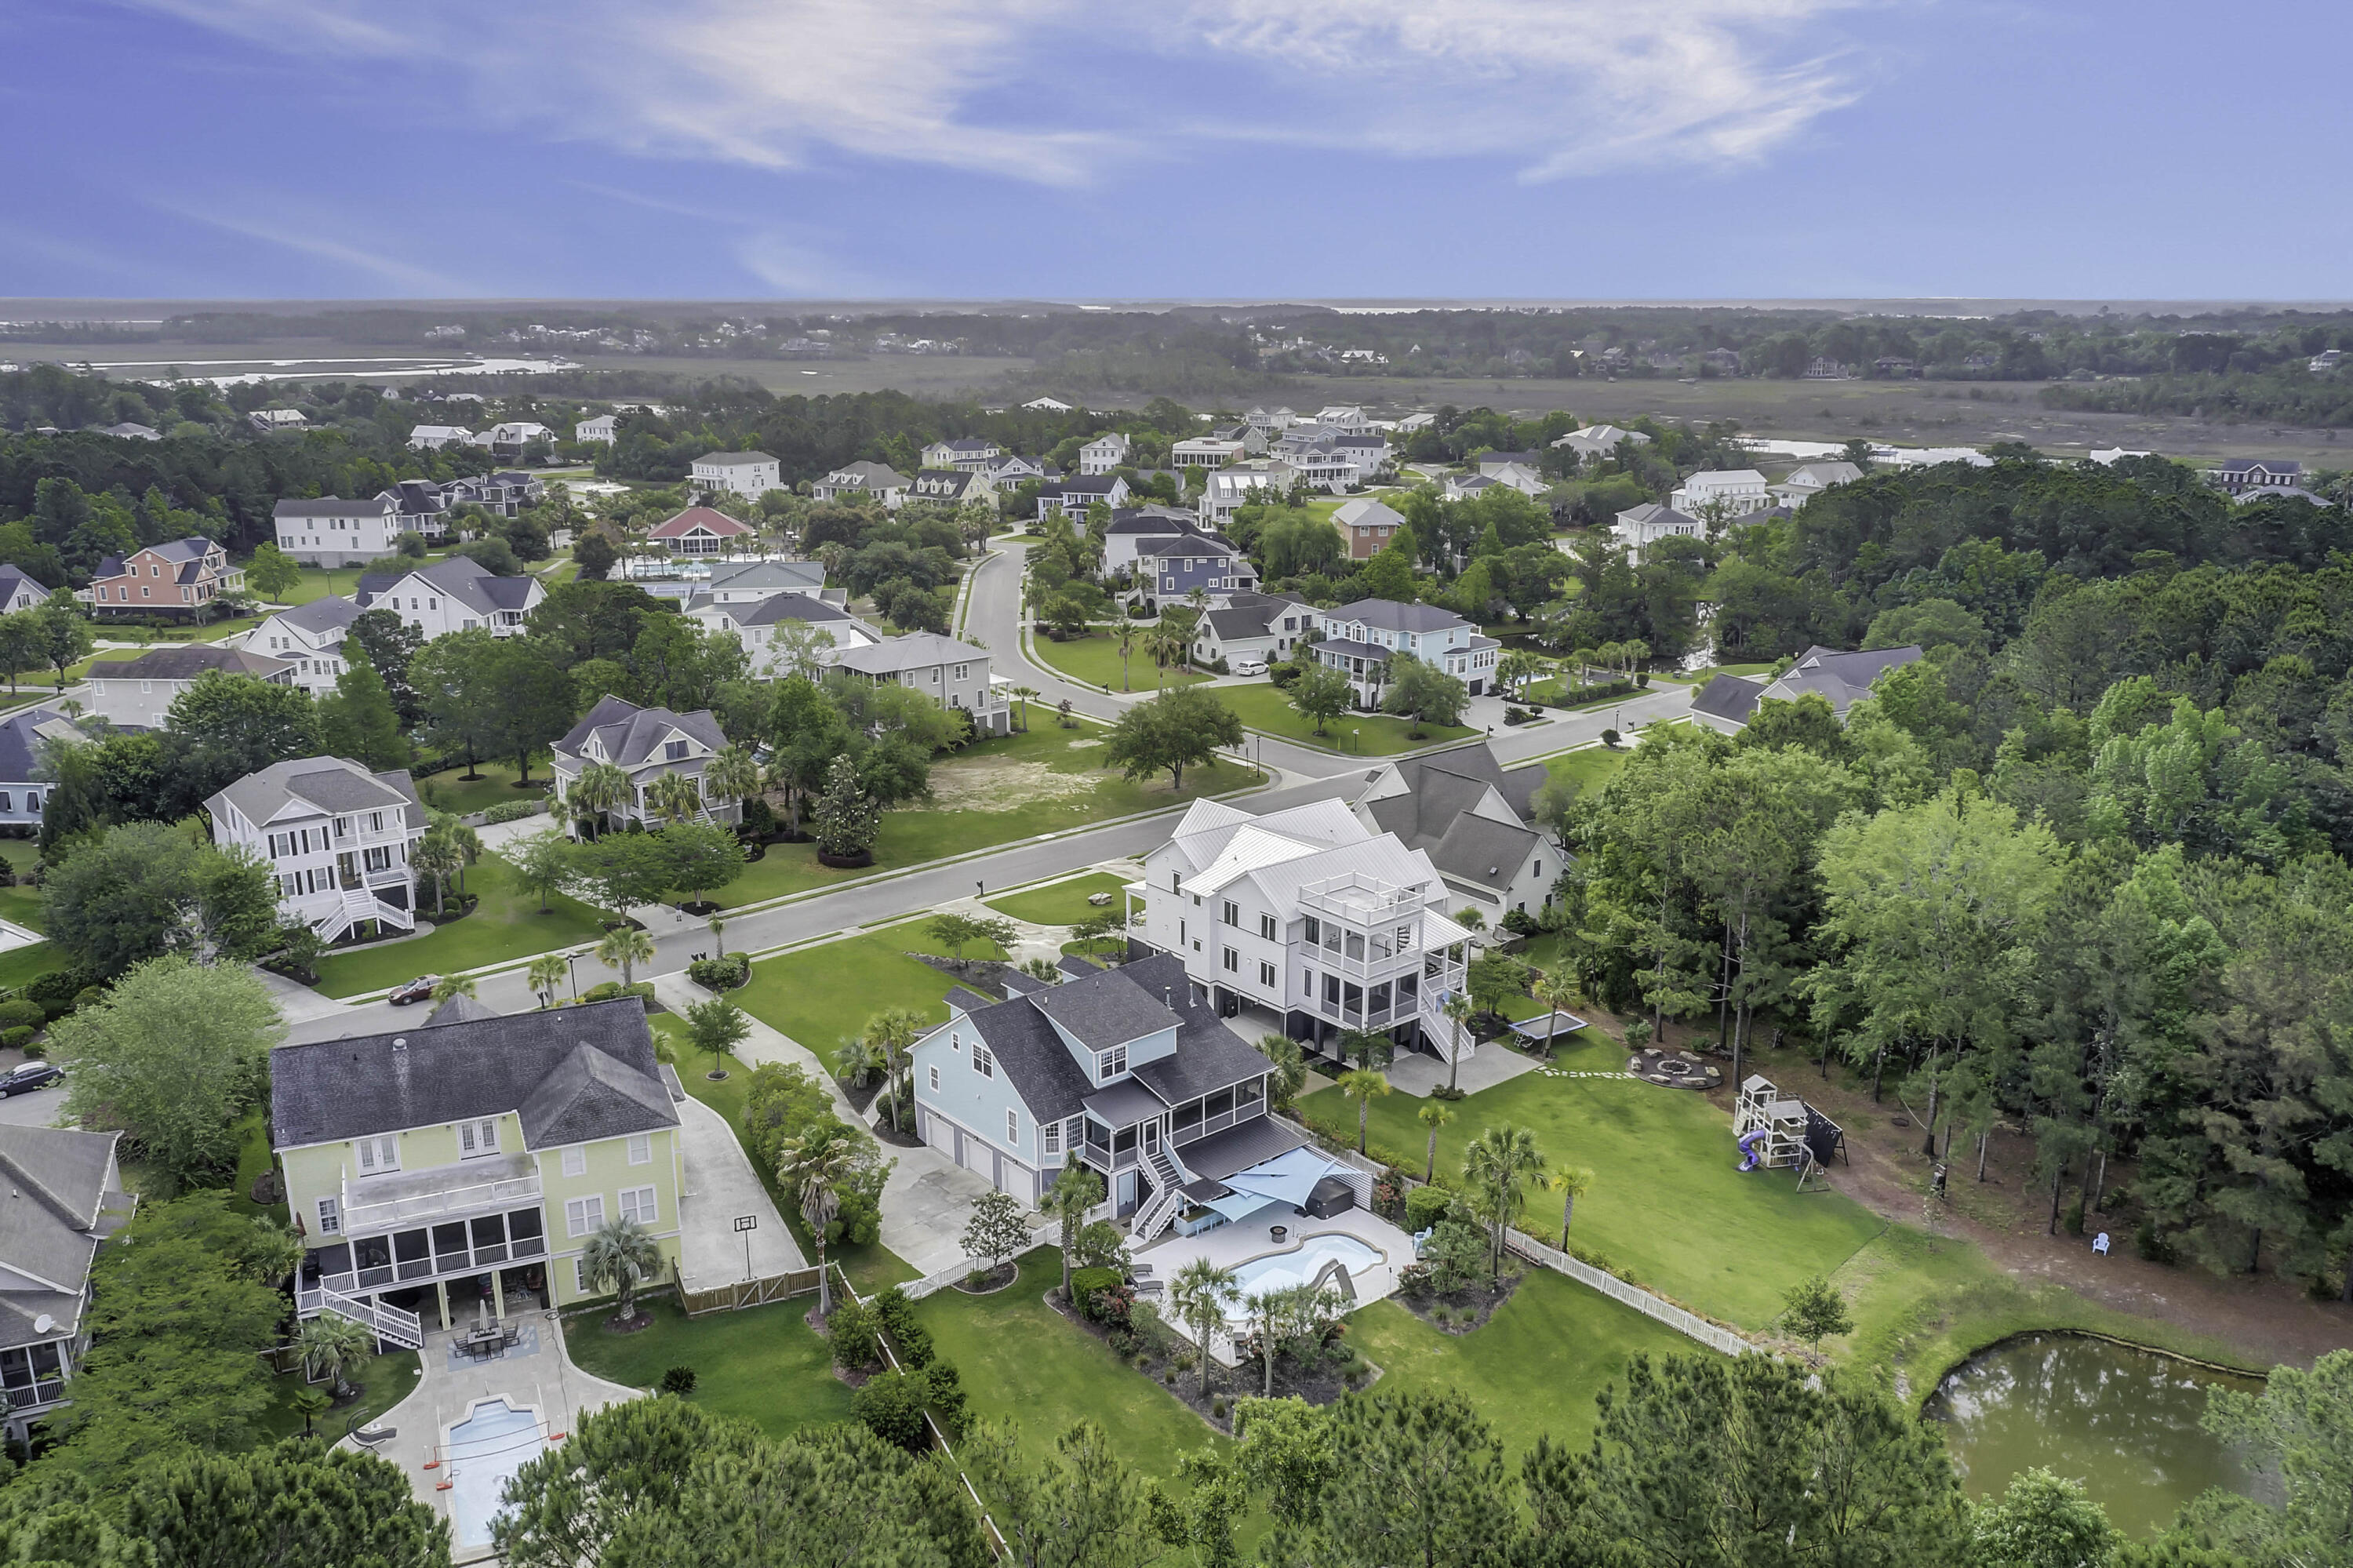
(673, 751)
(1111, 1063)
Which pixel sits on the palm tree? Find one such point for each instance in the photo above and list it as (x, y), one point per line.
(548, 972)
(674, 797)
(732, 774)
(1074, 1192)
(448, 985)
(1167, 646)
(1571, 1182)
(1458, 1013)
(1555, 988)
(815, 1165)
(1370, 1047)
(718, 924)
(893, 1036)
(330, 1346)
(1432, 1114)
(1128, 638)
(436, 854)
(1201, 1293)
(470, 848)
(623, 949)
(309, 1404)
(1024, 694)
(1363, 1086)
(621, 1254)
(600, 790)
(1499, 1164)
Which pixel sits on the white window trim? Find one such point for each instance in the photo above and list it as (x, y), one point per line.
(576, 1212)
(647, 1200)
(641, 1149)
(576, 1160)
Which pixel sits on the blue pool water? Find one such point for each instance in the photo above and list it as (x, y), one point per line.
(485, 1451)
(1277, 1271)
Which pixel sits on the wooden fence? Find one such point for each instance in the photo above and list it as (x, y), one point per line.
(739, 1293)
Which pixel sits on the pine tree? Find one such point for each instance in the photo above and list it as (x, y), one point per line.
(359, 720)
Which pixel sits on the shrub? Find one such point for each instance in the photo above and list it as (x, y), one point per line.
(678, 1380)
(608, 989)
(1520, 923)
(759, 818)
(1425, 1206)
(512, 811)
(17, 1037)
(1086, 1283)
(947, 1398)
(892, 1406)
(1218, 666)
(721, 974)
(13, 1013)
(1283, 675)
(1456, 1254)
(852, 1331)
(896, 1316)
(57, 991)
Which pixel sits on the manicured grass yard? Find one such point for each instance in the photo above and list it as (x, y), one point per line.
(451, 791)
(20, 966)
(764, 1365)
(505, 925)
(1590, 767)
(1094, 659)
(1265, 707)
(1666, 1203)
(22, 905)
(1064, 903)
(1021, 1361)
(383, 1382)
(1532, 1369)
(820, 996)
(1018, 786)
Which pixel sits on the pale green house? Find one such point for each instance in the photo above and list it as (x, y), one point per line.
(454, 1170)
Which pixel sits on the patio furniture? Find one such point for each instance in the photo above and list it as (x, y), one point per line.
(1150, 1287)
(1141, 1271)
(1277, 1233)
(511, 1336)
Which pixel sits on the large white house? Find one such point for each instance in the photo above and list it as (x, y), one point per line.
(331, 532)
(136, 693)
(433, 438)
(969, 455)
(864, 481)
(1360, 639)
(644, 743)
(20, 591)
(1103, 454)
(311, 636)
(67, 1197)
(1230, 489)
(1640, 528)
(1841, 679)
(1729, 492)
(1470, 815)
(603, 427)
(763, 628)
(748, 474)
(1600, 441)
(1311, 916)
(454, 595)
(336, 837)
(1809, 479)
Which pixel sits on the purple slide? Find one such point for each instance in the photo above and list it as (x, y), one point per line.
(1748, 1142)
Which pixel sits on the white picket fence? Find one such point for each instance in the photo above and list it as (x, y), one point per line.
(1714, 1336)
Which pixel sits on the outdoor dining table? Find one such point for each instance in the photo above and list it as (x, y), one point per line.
(482, 1342)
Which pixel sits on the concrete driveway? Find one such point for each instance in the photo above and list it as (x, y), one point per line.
(722, 1186)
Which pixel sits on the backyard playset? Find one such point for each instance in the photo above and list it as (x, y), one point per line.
(1777, 1131)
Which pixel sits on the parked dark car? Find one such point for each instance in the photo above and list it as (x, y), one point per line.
(31, 1075)
(418, 990)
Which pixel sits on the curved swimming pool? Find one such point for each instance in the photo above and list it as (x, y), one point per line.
(483, 1452)
(1302, 1264)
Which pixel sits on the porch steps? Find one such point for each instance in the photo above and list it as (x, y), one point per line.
(382, 1318)
(1438, 1029)
(1167, 1196)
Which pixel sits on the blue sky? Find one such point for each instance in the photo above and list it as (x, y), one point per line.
(1104, 149)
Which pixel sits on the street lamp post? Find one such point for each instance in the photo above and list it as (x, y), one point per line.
(572, 962)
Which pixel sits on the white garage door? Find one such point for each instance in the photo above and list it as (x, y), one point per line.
(941, 1134)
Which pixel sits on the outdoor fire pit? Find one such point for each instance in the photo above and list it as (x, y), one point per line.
(1278, 1232)
(1673, 1070)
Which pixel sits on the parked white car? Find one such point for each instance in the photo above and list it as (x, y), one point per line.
(1249, 666)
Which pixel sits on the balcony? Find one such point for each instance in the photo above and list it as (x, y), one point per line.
(439, 1193)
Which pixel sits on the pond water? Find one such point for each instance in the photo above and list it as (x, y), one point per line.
(2121, 1421)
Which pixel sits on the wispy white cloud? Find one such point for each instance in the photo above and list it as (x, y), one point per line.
(313, 234)
(1063, 92)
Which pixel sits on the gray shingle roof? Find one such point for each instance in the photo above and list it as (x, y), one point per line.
(332, 784)
(911, 652)
(13, 578)
(735, 456)
(467, 580)
(1733, 698)
(787, 607)
(572, 1074)
(1391, 615)
(1032, 1057)
(630, 733)
(1107, 1010)
(187, 663)
(332, 506)
(51, 1217)
(330, 613)
(21, 735)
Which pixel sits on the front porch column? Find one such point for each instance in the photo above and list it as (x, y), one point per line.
(499, 1296)
(441, 1293)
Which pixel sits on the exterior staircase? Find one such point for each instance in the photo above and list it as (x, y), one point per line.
(1438, 1029)
(1159, 1211)
(386, 1321)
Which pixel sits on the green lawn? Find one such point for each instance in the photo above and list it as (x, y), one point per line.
(868, 1267)
(506, 925)
(383, 1382)
(1016, 787)
(1590, 767)
(451, 791)
(1063, 903)
(820, 996)
(21, 966)
(764, 1363)
(22, 905)
(1532, 1369)
(1094, 659)
(1666, 1203)
(1264, 707)
(1021, 1361)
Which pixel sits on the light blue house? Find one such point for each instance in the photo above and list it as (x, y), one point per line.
(1121, 1071)
(1360, 639)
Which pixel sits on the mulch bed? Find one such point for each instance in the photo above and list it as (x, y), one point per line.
(1465, 1310)
(1320, 1383)
(996, 1279)
(636, 1322)
(984, 975)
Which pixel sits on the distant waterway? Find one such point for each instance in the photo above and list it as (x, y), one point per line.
(2123, 1420)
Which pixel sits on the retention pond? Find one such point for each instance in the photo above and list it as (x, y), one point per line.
(2121, 1421)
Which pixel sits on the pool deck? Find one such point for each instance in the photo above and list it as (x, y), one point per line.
(1228, 1246)
(543, 1379)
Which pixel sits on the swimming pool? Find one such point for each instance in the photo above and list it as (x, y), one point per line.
(484, 1452)
(1279, 1270)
